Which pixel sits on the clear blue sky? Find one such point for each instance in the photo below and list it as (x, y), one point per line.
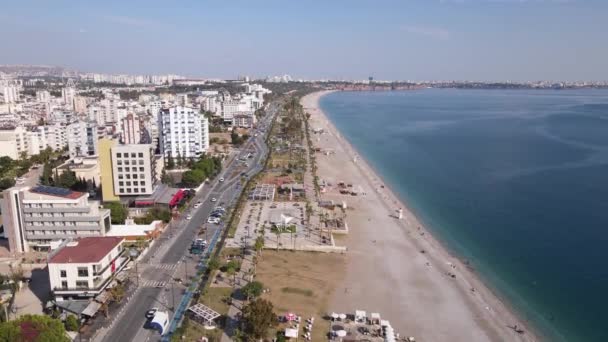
(404, 39)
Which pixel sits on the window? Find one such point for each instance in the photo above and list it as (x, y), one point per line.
(140, 154)
(64, 284)
(121, 190)
(119, 176)
(119, 155)
(141, 169)
(120, 169)
(63, 273)
(119, 162)
(82, 284)
(128, 190)
(135, 176)
(133, 155)
(128, 183)
(128, 176)
(135, 183)
(142, 176)
(141, 162)
(127, 169)
(83, 271)
(142, 183)
(121, 183)
(126, 162)
(143, 190)
(136, 190)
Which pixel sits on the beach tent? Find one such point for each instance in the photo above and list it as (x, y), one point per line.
(291, 333)
(375, 318)
(341, 333)
(360, 316)
(290, 316)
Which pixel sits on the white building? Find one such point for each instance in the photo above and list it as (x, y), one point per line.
(244, 120)
(228, 108)
(39, 218)
(68, 94)
(133, 169)
(13, 141)
(82, 138)
(11, 94)
(43, 96)
(131, 128)
(84, 267)
(183, 132)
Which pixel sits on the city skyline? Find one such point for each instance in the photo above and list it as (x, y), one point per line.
(412, 40)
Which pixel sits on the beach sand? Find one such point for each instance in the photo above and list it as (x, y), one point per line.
(395, 267)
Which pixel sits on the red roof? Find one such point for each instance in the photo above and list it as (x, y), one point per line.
(88, 250)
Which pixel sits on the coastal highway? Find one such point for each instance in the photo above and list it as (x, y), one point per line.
(158, 269)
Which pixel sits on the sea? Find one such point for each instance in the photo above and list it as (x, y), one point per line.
(514, 181)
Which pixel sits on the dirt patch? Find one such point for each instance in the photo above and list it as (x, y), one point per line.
(302, 283)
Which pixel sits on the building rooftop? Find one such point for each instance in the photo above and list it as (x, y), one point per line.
(85, 250)
(56, 192)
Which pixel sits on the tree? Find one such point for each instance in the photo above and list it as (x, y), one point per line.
(47, 175)
(71, 323)
(66, 179)
(213, 264)
(253, 289)
(117, 292)
(259, 318)
(118, 213)
(193, 177)
(259, 245)
(45, 329)
(170, 162)
(6, 183)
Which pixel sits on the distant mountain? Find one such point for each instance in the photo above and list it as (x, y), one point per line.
(38, 70)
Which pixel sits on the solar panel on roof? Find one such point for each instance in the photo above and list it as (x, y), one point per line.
(51, 190)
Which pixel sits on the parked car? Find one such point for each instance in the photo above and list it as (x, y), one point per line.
(221, 179)
(189, 217)
(213, 199)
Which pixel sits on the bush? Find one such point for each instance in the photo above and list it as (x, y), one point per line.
(71, 323)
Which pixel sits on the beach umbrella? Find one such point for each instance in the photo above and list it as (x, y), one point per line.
(334, 315)
(342, 316)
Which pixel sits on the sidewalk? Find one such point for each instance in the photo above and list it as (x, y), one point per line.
(242, 279)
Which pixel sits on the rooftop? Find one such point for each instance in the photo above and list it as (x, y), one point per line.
(85, 250)
(56, 192)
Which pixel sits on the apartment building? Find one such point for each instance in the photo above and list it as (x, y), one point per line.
(84, 267)
(183, 131)
(131, 129)
(40, 218)
(133, 169)
(82, 138)
(13, 142)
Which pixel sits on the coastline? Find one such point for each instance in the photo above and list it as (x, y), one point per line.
(455, 303)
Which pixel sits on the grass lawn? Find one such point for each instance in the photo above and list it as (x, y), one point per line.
(301, 282)
(214, 298)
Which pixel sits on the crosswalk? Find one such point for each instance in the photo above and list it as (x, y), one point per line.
(164, 266)
(154, 283)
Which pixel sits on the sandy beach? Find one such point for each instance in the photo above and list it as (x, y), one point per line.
(395, 267)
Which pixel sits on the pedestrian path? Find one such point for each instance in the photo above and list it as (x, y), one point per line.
(153, 283)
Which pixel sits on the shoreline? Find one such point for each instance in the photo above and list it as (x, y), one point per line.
(479, 308)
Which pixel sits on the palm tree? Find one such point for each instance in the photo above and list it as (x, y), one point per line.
(259, 245)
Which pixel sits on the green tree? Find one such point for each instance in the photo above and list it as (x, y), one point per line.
(193, 177)
(170, 162)
(71, 323)
(6, 183)
(213, 264)
(67, 179)
(118, 213)
(47, 174)
(259, 318)
(46, 328)
(259, 245)
(253, 289)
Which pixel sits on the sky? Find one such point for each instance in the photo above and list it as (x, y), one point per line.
(484, 40)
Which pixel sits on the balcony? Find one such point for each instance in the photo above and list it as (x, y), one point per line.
(57, 210)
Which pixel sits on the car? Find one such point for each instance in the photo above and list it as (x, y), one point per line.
(189, 217)
(151, 313)
(221, 179)
(213, 199)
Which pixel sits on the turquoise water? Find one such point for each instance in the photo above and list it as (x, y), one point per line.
(515, 181)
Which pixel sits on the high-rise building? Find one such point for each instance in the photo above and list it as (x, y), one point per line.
(105, 163)
(40, 218)
(11, 94)
(68, 94)
(184, 132)
(82, 138)
(133, 169)
(131, 129)
(43, 96)
(13, 142)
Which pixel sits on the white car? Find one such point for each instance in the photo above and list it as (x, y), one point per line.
(197, 205)
(221, 179)
(213, 199)
(189, 217)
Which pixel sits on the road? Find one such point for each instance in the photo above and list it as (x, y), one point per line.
(164, 261)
